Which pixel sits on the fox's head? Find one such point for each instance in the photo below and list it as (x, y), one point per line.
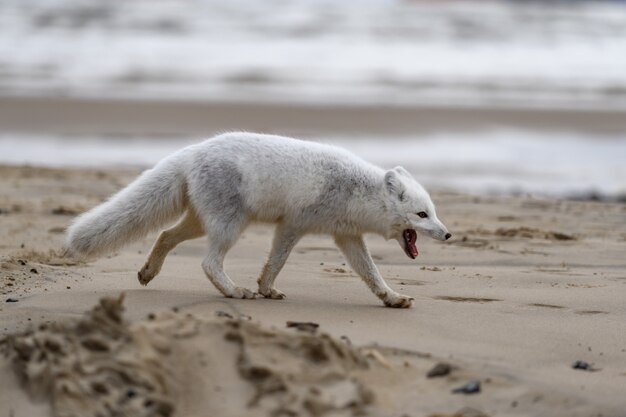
(411, 210)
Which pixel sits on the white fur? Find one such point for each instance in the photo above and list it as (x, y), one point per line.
(225, 183)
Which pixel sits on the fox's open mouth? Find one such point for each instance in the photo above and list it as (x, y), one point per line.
(410, 237)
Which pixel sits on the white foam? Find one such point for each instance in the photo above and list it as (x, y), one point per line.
(314, 50)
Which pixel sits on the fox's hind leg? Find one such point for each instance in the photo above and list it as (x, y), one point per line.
(189, 227)
(355, 251)
(222, 237)
(284, 240)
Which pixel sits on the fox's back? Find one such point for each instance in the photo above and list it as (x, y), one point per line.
(277, 176)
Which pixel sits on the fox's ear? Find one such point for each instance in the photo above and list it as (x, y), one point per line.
(393, 184)
(400, 170)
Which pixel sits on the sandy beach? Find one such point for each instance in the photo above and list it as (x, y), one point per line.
(512, 114)
(525, 288)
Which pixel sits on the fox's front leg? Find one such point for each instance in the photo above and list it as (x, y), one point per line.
(285, 239)
(355, 251)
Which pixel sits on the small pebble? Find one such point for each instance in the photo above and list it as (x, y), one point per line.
(440, 369)
(12, 300)
(34, 271)
(472, 387)
(220, 313)
(305, 326)
(583, 366)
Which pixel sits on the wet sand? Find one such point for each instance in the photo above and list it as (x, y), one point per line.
(123, 117)
(525, 288)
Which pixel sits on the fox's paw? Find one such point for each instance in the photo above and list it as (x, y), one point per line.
(396, 300)
(272, 293)
(145, 275)
(242, 293)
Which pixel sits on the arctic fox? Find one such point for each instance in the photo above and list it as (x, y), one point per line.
(221, 185)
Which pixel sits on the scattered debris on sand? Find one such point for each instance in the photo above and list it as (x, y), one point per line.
(21, 274)
(51, 257)
(531, 233)
(66, 211)
(304, 326)
(455, 299)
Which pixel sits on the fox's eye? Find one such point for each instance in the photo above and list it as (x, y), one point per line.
(422, 214)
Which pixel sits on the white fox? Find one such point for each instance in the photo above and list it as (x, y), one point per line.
(221, 185)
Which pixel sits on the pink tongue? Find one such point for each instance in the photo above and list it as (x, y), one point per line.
(410, 237)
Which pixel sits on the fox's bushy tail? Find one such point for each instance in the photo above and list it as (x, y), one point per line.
(155, 198)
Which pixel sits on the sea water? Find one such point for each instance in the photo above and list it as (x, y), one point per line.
(550, 55)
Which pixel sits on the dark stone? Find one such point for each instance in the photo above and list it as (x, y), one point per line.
(472, 387)
(440, 369)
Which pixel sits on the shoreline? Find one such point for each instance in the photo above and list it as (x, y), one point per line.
(156, 117)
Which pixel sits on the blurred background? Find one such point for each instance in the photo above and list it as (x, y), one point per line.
(471, 96)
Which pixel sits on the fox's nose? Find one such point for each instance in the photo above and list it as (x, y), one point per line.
(448, 236)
